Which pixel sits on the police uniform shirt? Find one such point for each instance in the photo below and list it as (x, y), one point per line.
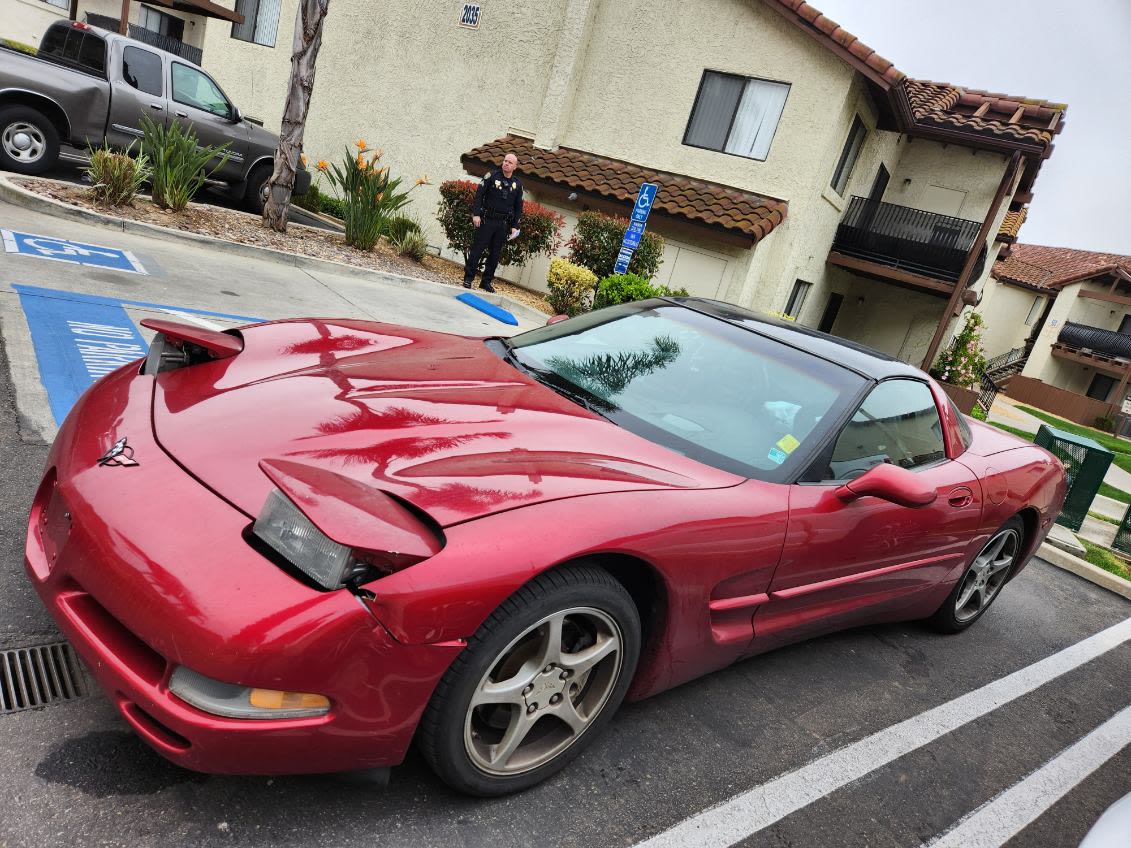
(499, 195)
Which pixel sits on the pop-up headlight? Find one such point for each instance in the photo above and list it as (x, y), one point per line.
(290, 533)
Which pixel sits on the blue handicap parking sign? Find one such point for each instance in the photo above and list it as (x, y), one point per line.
(62, 250)
(623, 258)
(644, 202)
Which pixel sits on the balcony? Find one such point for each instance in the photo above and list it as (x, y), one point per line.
(901, 244)
(1104, 349)
(148, 36)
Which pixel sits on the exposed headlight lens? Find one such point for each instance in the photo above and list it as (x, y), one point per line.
(232, 701)
(283, 526)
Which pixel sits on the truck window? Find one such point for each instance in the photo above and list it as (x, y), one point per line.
(142, 70)
(75, 48)
(193, 88)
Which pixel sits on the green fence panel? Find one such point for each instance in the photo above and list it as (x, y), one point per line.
(1086, 463)
(1123, 534)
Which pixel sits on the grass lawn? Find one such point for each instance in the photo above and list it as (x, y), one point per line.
(1105, 559)
(1107, 518)
(1106, 490)
(1120, 447)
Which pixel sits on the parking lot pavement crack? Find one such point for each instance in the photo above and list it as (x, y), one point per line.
(338, 294)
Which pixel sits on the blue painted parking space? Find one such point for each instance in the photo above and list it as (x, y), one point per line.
(79, 338)
(63, 250)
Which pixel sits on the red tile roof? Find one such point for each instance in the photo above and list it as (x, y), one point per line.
(1011, 226)
(1053, 267)
(751, 214)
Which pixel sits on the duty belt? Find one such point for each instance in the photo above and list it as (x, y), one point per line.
(502, 216)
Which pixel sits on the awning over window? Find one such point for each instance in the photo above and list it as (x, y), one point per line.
(201, 7)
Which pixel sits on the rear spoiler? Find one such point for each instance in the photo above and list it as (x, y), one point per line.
(178, 345)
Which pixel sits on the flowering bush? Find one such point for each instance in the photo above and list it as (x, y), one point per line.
(539, 231)
(571, 287)
(624, 288)
(369, 195)
(596, 242)
(962, 363)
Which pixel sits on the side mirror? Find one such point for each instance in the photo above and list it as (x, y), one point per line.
(889, 483)
(555, 319)
(236, 116)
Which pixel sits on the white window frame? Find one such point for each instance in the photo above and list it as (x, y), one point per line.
(261, 21)
(849, 155)
(1034, 310)
(759, 107)
(797, 297)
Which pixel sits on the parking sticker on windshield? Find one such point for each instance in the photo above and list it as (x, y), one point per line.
(62, 250)
(780, 452)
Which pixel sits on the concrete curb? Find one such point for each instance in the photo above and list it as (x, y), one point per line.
(18, 196)
(1083, 568)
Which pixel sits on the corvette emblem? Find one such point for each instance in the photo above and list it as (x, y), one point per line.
(120, 454)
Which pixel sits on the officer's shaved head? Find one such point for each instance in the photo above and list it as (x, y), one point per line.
(510, 162)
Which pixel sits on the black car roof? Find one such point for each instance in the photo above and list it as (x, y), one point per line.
(857, 357)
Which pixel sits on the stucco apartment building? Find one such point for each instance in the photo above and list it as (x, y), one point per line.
(174, 25)
(1076, 357)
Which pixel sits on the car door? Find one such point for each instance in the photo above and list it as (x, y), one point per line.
(199, 104)
(138, 90)
(851, 562)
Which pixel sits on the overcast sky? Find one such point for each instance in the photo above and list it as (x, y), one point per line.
(1077, 53)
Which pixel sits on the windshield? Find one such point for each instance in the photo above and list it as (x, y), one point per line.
(717, 393)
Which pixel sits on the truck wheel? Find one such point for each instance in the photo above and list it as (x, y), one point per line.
(255, 197)
(29, 142)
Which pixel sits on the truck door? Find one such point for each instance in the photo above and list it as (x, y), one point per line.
(199, 104)
(137, 89)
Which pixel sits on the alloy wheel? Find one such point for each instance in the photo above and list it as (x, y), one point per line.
(987, 574)
(24, 142)
(543, 691)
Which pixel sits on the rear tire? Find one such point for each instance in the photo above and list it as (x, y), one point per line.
(255, 195)
(538, 681)
(983, 580)
(29, 142)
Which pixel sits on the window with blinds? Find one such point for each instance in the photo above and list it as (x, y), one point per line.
(736, 115)
(260, 21)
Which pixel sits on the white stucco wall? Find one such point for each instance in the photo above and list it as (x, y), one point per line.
(1041, 364)
(923, 164)
(1004, 308)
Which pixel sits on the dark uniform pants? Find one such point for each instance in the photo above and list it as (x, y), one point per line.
(490, 236)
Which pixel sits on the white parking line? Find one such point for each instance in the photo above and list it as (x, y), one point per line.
(1002, 818)
(194, 319)
(762, 806)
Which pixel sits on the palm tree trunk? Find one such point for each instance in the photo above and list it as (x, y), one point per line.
(304, 53)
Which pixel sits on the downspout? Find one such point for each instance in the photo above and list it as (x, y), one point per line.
(971, 259)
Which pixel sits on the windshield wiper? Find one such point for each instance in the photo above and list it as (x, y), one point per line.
(554, 381)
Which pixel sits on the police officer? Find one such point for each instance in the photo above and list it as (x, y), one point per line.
(495, 213)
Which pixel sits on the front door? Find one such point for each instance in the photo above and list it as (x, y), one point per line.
(199, 104)
(832, 309)
(844, 562)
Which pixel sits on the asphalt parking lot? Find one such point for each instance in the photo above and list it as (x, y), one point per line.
(1014, 732)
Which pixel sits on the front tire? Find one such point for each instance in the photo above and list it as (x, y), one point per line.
(255, 195)
(983, 580)
(29, 142)
(537, 683)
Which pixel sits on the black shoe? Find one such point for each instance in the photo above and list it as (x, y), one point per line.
(487, 287)
(467, 284)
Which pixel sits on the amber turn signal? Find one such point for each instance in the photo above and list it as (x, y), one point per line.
(273, 699)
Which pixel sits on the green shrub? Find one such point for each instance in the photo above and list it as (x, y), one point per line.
(397, 227)
(179, 165)
(19, 45)
(978, 413)
(368, 193)
(1105, 423)
(539, 231)
(624, 288)
(571, 287)
(963, 362)
(411, 243)
(596, 242)
(116, 177)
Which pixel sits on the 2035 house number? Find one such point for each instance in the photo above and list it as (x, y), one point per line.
(470, 16)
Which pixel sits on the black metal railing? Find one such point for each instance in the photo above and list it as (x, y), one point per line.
(987, 391)
(148, 36)
(901, 237)
(1107, 342)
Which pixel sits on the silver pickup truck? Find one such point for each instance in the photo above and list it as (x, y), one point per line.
(87, 85)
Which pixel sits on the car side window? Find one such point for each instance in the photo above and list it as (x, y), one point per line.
(898, 422)
(142, 70)
(195, 89)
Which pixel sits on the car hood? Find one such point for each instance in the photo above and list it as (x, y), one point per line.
(434, 419)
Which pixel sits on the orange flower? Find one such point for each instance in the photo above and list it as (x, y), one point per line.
(360, 143)
(323, 164)
(380, 195)
(423, 180)
(361, 162)
(302, 158)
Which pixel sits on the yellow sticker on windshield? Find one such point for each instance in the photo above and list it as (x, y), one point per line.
(788, 443)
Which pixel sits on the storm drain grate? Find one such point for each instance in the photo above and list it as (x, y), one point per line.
(38, 676)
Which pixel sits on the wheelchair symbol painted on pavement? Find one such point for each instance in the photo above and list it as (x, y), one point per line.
(63, 250)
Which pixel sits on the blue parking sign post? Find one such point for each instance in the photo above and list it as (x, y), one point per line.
(640, 211)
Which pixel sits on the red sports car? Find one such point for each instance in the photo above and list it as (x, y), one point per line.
(299, 546)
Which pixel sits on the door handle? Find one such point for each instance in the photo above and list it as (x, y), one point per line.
(181, 114)
(156, 106)
(960, 497)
